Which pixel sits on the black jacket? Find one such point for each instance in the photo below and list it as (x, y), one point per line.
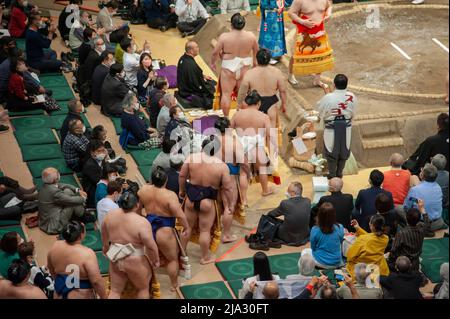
(436, 144)
(92, 173)
(100, 73)
(86, 70)
(113, 92)
(190, 78)
(343, 203)
(402, 286)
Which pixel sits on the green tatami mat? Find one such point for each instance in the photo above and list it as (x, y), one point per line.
(93, 240)
(282, 265)
(9, 222)
(90, 226)
(211, 290)
(36, 167)
(41, 152)
(65, 179)
(235, 286)
(145, 172)
(26, 113)
(51, 82)
(63, 111)
(116, 122)
(35, 136)
(103, 263)
(144, 157)
(33, 122)
(17, 229)
(432, 268)
(62, 93)
(435, 248)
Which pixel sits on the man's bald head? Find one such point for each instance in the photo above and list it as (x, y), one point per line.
(192, 48)
(271, 290)
(403, 264)
(396, 160)
(335, 184)
(50, 175)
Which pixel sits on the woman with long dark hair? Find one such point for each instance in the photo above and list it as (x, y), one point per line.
(261, 272)
(145, 76)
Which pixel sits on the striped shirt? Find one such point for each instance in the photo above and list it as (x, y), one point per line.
(73, 148)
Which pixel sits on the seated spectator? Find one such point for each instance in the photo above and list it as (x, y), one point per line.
(234, 6)
(76, 31)
(17, 286)
(173, 173)
(192, 84)
(109, 174)
(435, 144)
(270, 290)
(397, 181)
(145, 77)
(439, 161)
(8, 48)
(85, 70)
(71, 9)
(123, 33)
(89, 35)
(343, 203)
(391, 219)
(18, 19)
(76, 108)
(59, 203)
(33, 83)
(113, 91)
(369, 248)
(163, 158)
(409, 240)
(441, 289)
(169, 101)
(11, 212)
(93, 170)
(361, 274)
(109, 202)
(138, 130)
(99, 75)
(160, 14)
(35, 44)
(131, 59)
(326, 238)
(403, 284)
(429, 191)
(155, 96)
(261, 272)
(365, 201)
(177, 119)
(75, 145)
(39, 276)
(192, 16)
(9, 244)
(11, 186)
(306, 266)
(105, 21)
(296, 211)
(5, 74)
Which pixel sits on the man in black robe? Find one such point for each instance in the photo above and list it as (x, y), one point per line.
(193, 86)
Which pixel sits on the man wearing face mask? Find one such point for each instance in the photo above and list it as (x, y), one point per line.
(113, 91)
(75, 145)
(105, 21)
(76, 31)
(75, 111)
(86, 70)
(109, 203)
(93, 169)
(99, 75)
(177, 118)
(131, 60)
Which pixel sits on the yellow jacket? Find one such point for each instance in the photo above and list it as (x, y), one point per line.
(368, 248)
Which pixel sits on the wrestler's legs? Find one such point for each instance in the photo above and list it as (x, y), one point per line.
(261, 167)
(139, 273)
(292, 79)
(118, 281)
(273, 114)
(227, 85)
(192, 217)
(168, 246)
(206, 219)
(243, 185)
(227, 218)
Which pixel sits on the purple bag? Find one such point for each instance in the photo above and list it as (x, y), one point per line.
(170, 72)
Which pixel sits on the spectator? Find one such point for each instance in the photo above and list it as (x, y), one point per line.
(192, 16)
(93, 170)
(35, 44)
(9, 244)
(364, 292)
(369, 247)
(234, 6)
(391, 219)
(8, 48)
(343, 203)
(439, 161)
(5, 73)
(12, 212)
(173, 173)
(441, 289)
(18, 19)
(296, 211)
(39, 276)
(75, 145)
(85, 71)
(109, 202)
(100, 133)
(435, 144)
(11, 186)
(155, 96)
(270, 290)
(160, 14)
(409, 240)
(99, 75)
(17, 286)
(169, 101)
(72, 9)
(306, 266)
(123, 33)
(429, 191)
(326, 238)
(365, 201)
(76, 108)
(105, 21)
(59, 203)
(131, 60)
(403, 284)
(262, 272)
(145, 76)
(177, 119)
(89, 35)
(109, 174)
(163, 158)
(113, 91)
(397, 181)
(33, 83)
(192, 84)
(76, 37)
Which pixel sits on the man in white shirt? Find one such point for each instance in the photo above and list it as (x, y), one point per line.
(131, 60)
(192, 16)
(107, 204)
(234, 6)
(169, 101)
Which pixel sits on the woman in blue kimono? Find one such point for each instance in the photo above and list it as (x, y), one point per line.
(271, 34)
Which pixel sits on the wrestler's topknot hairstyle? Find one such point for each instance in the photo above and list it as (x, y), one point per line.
(237, 21)
(159, 177)
(127, 201)
(252, 98)
(222, 123)
(72, 231)
(263, 57)
(210, 145)
(18, 271)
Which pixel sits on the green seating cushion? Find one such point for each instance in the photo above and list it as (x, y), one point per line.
(36, 167)
(41, 152)
(35, 137)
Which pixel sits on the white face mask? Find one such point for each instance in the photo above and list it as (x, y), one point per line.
(102, 48)
(134, 48)
(100, 157)
(112, 178)
(84, 129)
(288, 196)
(137, 106)
(181, 116)
(25, 3)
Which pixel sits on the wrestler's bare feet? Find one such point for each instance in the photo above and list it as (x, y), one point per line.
(292, 79)
(269, 192)
(229, 239)
(208, 260)
(173, 289)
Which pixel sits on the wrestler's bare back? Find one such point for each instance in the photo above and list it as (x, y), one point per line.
(206, 171)
(9, 291)
(237, 44)
(251, 121)
(124, 228)
(158, 201)
(266, 80)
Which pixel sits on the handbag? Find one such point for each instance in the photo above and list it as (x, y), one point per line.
(268, 227)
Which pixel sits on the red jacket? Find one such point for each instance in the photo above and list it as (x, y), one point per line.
(17, 23)
(16, 86)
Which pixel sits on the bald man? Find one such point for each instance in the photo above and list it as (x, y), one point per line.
(271, 290)
(343, 203)
(397, 180)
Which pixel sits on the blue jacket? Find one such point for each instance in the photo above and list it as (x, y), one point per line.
(156, 10)
(365, 205)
